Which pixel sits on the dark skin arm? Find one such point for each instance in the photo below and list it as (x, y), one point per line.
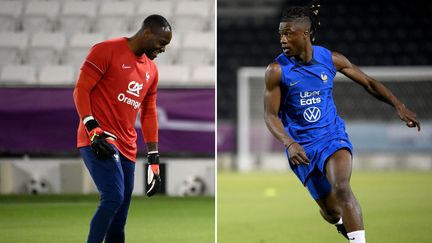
(375, 88)
(272, 97)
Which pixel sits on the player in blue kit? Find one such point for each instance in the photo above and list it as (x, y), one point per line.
(300, 113)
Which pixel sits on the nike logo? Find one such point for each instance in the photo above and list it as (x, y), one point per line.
(292, 84)
(352, 238)
(124, 66)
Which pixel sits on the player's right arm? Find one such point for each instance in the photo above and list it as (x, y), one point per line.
(94, 67)
(272, 98)
(92, 71)
(97, 136)
(81, 94)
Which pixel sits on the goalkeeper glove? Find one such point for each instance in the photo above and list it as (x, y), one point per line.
(154, 180)
(99, 145)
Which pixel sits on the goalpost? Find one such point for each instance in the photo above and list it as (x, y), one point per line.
(255, 142)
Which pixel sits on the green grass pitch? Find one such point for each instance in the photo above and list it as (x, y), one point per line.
(46, 219)
(275, 207)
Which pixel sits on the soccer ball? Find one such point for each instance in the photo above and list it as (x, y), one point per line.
(37, 186)
(192, 186)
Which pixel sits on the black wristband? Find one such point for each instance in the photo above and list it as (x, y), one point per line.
(91, 124)
(153, 158)
(291, 144)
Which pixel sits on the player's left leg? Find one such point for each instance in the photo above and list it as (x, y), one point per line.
(108, 176)
(116, 231)
(321, 190)
(332, 213)
(338, 172)
(329, 209)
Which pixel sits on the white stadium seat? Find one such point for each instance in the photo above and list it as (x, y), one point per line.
(204, 40)
(203, 74)
(117, 34)
(40, 16)
(44, 34)
(45, 48)
(114, 16)
(18, 74)
(197, 48)
(10, 13)
(12, 47)
(191, 16)
(57, 75)
(77, 17)
(79, 46)
(173, 74)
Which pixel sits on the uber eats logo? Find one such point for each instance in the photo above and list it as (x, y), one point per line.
(310, 97)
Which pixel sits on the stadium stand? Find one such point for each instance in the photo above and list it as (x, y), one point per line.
(114, 16)
(57, 75)
(78, 47)
(198, 47)
(192, 15)
(12, 47)
(40, 16)
(10, 13)
(21, 74)
(76, 17)
(172, 74)
(41, 33)
(203, 74)
(45, 49)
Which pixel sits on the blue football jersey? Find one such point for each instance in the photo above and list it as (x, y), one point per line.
(307, 110)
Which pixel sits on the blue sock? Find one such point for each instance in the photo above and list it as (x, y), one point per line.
(99, 224)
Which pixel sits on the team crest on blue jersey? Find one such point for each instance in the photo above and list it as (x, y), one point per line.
(324, 77)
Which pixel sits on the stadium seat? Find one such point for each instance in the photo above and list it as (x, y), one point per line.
(203, 75)
(79, 46)
(12, 46)
(40, 16)
(197, 48)
(146, 8)
(10, 13)
(114, 16)
(57, 75)
(45, 48)
(117, 34)
(191, 16)
(77, 17)
(18, 74)
(173, 74)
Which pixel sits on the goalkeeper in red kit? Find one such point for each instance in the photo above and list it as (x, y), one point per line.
(118, 79)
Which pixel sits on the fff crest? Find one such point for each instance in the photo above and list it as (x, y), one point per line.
(324, 77)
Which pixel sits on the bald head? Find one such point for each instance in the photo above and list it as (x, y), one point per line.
(156, 23)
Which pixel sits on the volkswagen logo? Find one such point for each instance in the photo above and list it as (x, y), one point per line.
(312, 114)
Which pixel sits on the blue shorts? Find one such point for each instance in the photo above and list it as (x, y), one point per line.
(313, 175)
